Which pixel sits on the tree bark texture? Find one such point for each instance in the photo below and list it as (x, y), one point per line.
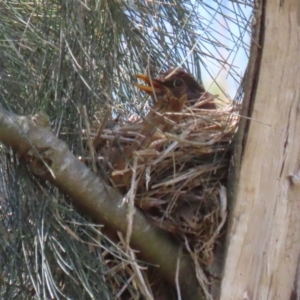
(264, 236)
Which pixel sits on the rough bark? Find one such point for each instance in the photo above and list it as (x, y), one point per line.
(264, 242)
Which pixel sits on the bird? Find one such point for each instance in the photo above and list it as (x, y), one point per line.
(174, 83)
(170, 92)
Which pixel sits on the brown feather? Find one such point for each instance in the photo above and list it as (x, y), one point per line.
(170, 91)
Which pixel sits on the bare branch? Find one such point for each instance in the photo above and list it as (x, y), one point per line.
(49, 158)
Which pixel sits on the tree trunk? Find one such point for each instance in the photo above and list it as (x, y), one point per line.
(264, 232)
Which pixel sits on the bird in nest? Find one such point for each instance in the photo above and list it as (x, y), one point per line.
(170, 92)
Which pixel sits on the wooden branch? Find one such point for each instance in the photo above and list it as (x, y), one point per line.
(50, 158)
(264, 242)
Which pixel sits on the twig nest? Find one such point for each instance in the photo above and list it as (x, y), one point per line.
(176, 176)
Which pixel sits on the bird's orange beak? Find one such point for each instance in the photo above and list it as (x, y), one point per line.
(153, 86)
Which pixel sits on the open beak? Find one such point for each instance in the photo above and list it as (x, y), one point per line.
(153, 86)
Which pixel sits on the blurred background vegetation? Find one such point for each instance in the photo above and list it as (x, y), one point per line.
(61, 56)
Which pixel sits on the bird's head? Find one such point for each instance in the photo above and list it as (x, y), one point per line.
(174, 82)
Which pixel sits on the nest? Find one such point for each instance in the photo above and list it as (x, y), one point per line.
(177, 177)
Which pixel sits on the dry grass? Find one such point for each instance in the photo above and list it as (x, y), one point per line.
(178, 179)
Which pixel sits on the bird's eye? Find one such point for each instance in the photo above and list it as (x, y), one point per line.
(177, 83)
